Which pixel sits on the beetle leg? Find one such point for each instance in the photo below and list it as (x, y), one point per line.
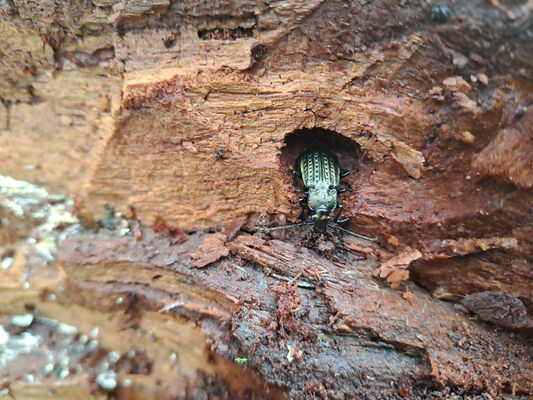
(343, 221)
(339, 211)
(349, 187)
(347, 184)
(344, 173)
(302, 201)
(296, 174)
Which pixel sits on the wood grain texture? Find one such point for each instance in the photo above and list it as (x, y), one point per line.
(188, 117)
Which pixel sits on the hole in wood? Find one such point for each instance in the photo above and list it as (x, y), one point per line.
(347, 151)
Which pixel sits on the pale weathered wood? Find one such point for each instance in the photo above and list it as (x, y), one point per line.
(159, 325)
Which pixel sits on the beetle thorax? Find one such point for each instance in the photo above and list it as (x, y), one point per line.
(322, 198)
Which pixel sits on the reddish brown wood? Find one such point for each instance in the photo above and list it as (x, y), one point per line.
(174, 126)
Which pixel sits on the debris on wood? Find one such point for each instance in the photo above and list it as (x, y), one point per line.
(395, 270)
(212, 249)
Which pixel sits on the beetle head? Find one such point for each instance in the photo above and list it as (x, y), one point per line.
(321, 218)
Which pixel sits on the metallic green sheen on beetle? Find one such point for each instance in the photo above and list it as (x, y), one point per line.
(321, 175)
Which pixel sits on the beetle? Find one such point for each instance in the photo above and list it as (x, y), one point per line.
(321, 175)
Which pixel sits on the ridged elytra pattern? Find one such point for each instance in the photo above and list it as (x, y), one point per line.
(319, 168)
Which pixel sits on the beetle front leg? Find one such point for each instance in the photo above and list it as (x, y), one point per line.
(340, 207)
(349, 187)
(344, 173)
(304, 190)
(343, 221)
(303, 202)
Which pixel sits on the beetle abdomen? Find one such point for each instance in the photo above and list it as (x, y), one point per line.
(319, 168)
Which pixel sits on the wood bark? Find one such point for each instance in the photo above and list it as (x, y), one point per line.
(167, 121)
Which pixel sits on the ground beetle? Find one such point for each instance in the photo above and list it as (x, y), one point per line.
(321, 175)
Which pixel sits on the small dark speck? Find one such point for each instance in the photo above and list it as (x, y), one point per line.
(168, 42)
(108, 222)
(519, 114)
(220, 154)
(440, 14)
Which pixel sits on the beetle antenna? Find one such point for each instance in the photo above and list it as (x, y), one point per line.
(352, 233)
(275, 228)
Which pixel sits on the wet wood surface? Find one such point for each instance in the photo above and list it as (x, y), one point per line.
(167, 133)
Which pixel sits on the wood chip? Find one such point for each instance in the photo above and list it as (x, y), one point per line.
(212, 249)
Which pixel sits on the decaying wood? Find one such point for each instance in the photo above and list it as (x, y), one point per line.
(70, 336)
(296, 316)
(164, 120)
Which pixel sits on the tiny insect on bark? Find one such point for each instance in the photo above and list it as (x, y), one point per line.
(321, 175)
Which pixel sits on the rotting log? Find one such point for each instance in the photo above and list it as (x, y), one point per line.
(188, 117)
(146, 317)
